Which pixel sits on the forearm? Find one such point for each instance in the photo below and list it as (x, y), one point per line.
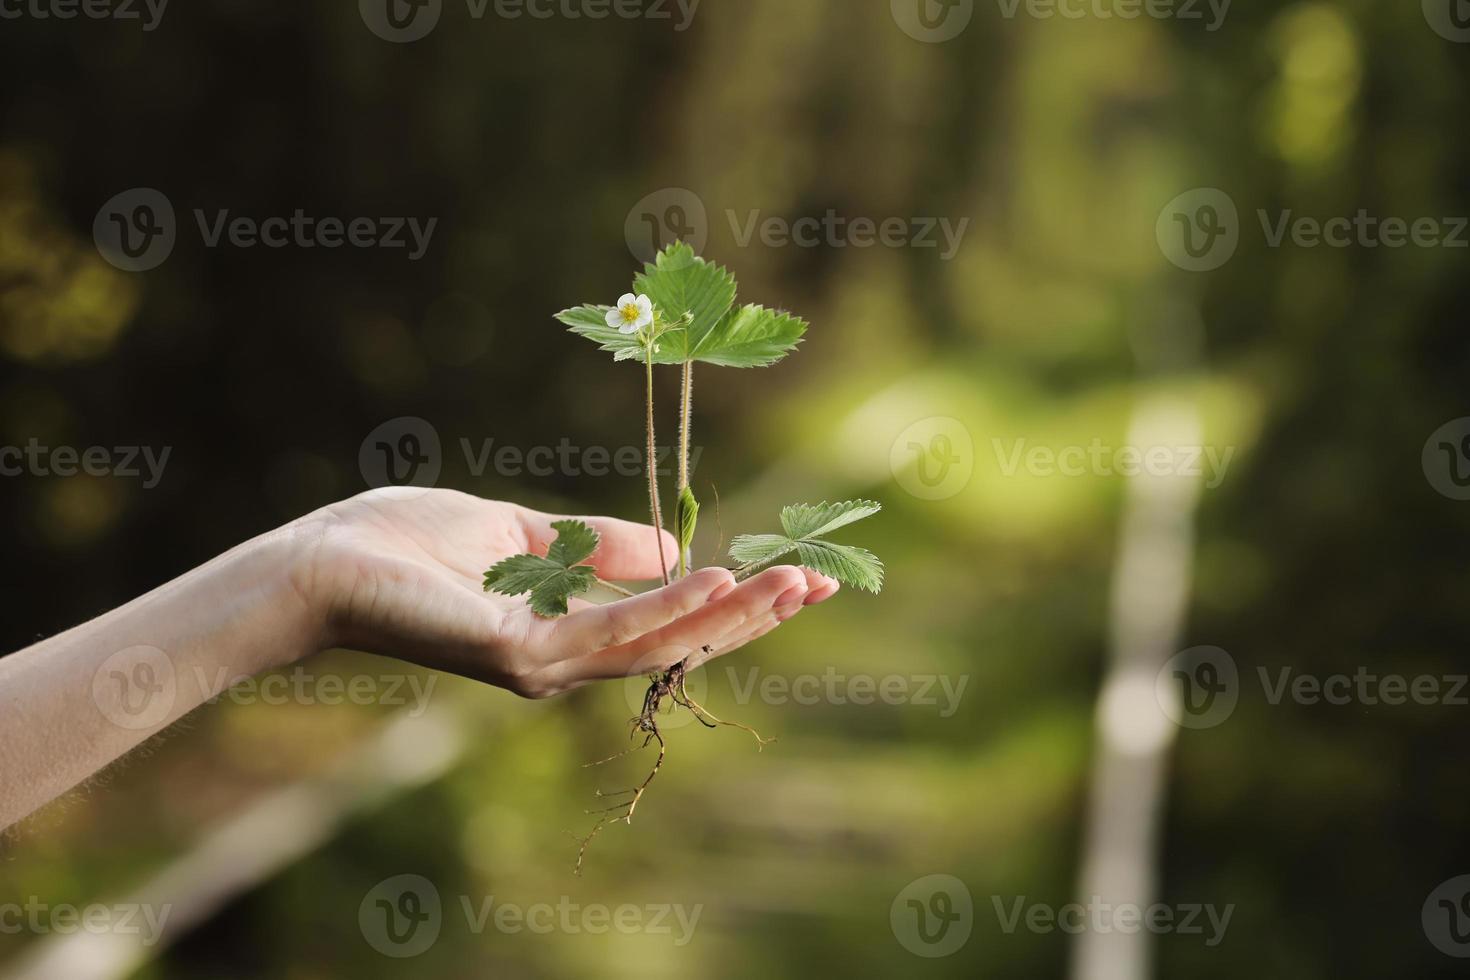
(73, 703)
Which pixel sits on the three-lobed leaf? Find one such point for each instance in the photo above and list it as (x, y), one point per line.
(683, 285)
(551, 580)
(805, 526)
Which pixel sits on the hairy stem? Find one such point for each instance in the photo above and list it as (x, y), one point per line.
(686, 420)
(651, 460)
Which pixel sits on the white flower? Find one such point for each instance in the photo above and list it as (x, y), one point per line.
(632, 314)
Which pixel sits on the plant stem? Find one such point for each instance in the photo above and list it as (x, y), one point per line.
(686, 419)
(651, 461)
(616, 588)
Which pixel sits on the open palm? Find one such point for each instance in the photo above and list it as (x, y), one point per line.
(400, 573)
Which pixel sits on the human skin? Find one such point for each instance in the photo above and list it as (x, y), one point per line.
(392, 572)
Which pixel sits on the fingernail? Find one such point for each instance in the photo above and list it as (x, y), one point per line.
(794, 594)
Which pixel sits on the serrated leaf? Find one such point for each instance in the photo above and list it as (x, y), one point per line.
(681, 283)
(551, 580)
(591, 322)
(819, 520)
(760, 549)
(805, 524)
(574, 544)
(850, 565)
(751, 336)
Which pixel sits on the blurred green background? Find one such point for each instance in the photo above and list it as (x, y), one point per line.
(544, 147)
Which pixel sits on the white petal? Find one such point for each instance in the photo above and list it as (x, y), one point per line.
(630, 328)
(645, 320)
(645, 306)
(614, 319)
(626, 300)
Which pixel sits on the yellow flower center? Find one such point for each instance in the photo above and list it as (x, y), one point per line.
(631, 313)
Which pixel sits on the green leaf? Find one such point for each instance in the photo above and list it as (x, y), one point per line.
(679, 283)
(856, 567)
(686, 518)
(760, 549)
(551, 580)
(808, 521)
(751, 336)
(805, 525)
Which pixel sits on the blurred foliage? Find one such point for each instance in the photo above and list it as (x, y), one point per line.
(1325, 548)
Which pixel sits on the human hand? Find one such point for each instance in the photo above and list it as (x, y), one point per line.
(401, 572)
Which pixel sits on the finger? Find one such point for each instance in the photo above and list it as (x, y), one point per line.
(774, 587)
(821, 587)
(757, 629)
(626, 551)
(618, 623)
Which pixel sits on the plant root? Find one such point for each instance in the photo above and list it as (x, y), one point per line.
(669, 684)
